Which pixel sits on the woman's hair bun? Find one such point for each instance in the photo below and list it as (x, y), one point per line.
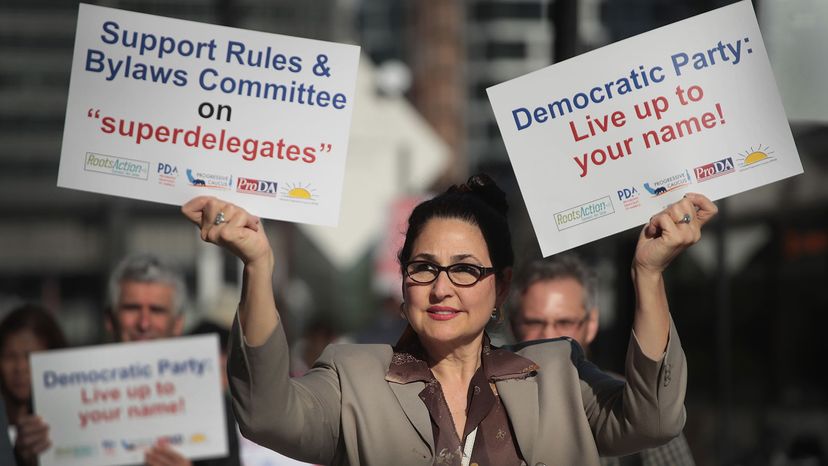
(485, 188)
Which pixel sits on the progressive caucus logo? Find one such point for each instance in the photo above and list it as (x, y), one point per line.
(583, 213)
(670, 183)
(209, 180)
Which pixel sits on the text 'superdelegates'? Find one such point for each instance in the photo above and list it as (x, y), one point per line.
(153, 99)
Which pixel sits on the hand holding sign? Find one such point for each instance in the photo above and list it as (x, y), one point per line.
(671, 231)
(230, 227)
(32, 438)
(164, 455)
(234, 229)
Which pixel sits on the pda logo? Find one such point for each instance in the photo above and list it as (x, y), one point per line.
(167, 174)
(253, 186)
(110, 447)
(627, 193)
(629, 197)
(714, 169)
(167, 169)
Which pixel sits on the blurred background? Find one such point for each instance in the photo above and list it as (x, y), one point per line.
(750, 301)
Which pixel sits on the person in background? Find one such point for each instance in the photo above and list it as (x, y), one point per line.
(25, 330)
(250, 454)
(558, 298)
(146, 302)
(205, 328)
(6, 450)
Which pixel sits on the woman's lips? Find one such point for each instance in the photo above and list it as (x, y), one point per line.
(442, 312)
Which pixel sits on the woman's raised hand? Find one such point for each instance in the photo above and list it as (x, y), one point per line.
(231, 227)
(671, 231)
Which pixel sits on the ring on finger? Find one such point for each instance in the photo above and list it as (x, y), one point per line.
(685, 219)
(219, 219)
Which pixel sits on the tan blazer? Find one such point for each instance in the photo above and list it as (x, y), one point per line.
(344, 412)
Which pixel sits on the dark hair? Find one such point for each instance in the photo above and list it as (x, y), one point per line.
(36, 319)
(478, 201)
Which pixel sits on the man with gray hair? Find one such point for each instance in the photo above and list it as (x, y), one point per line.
(146, 300)
(558, 298)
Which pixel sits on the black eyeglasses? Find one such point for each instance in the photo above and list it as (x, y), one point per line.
(460, 274)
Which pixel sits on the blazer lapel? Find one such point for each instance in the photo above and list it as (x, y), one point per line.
(408, 395)
(520, 397)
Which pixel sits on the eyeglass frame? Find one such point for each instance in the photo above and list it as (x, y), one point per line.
(484, 272)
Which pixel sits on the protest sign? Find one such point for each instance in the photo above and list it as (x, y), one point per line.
(106, 404)
(164, 110)
(603, 141)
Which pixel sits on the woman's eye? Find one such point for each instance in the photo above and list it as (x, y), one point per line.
(421, 267)
(464, 268)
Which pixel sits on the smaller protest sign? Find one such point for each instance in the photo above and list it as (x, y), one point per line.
(106, 404)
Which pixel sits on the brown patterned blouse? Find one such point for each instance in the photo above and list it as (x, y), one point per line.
(494, 442)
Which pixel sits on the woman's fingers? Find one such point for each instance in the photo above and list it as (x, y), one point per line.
(163, 455)
(33, 435)
(229, 226)
(213, 215)
(673, 230)
(193, 209)
(705, 208)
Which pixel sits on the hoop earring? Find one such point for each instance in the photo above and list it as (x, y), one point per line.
(402, 311)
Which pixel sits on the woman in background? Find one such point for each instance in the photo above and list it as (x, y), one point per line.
(26, 329)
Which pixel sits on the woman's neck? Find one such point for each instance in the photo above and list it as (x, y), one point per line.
(455, 363)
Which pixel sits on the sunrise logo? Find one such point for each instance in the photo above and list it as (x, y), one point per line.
(296, 192)
(753, 158)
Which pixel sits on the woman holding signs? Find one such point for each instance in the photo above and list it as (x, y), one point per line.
(444, 394)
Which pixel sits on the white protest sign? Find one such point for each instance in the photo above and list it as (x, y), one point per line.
(603, 141)
(164, 110)
(106, 404)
